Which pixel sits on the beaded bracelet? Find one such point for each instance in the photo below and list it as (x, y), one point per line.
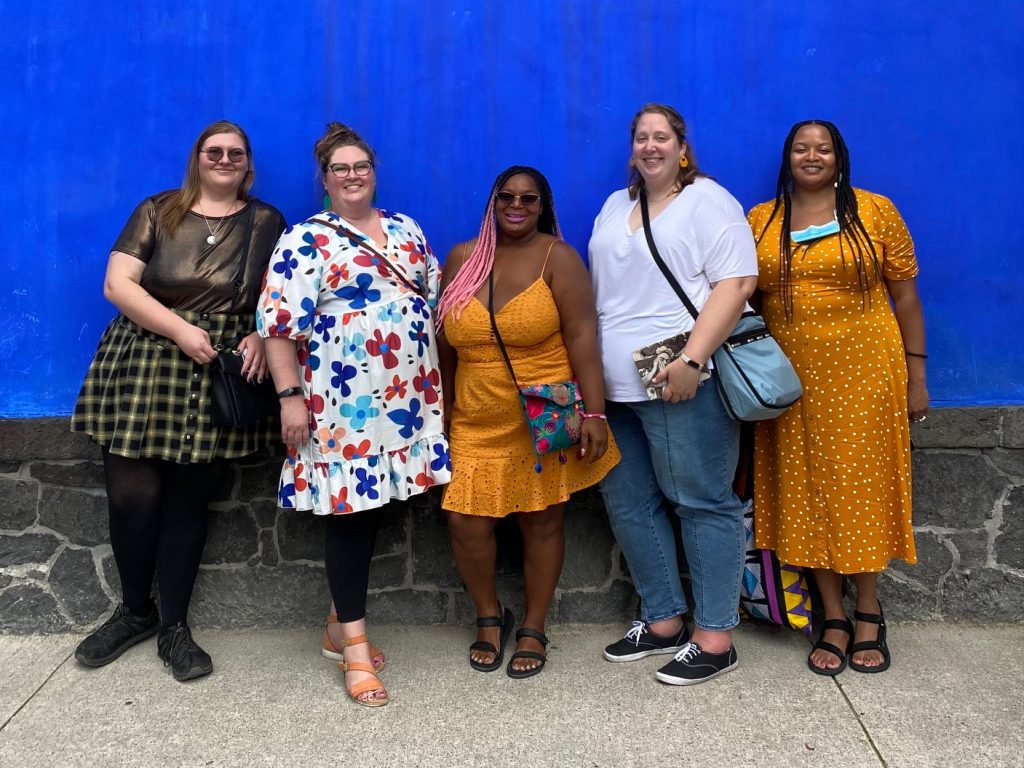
(915, 354)
(600, 416)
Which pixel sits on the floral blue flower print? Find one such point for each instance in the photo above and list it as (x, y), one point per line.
(323, 326)
(419, 335)
(343, 374)
(443, 460)
(366, 483)
(354, 346)
(360, 294)
(408, 420)
(285, 264)
(359, 413)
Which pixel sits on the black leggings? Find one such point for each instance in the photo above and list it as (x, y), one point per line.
(158, 516)
(348, 547)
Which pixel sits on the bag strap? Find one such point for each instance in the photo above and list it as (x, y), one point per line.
(645, 213)
(494, 327)
(368, 245)
(240, 274)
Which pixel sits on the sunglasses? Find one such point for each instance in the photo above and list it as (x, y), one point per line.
(341, 170)
(507, 198)
(214, 154)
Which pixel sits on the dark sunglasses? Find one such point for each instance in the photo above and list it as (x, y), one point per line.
(214, 154)
(507, 198)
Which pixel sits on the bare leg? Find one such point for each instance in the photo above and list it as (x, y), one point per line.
(543, 556)
(475, 549)
(867, 602)
(830, 585)
(335, 634)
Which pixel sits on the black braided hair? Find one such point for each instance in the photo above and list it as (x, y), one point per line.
(851, 228)
(548, 221)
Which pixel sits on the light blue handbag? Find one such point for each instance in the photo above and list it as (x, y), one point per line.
(754, 377)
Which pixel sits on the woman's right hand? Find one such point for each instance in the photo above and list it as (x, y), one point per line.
(195, 342)
(294, 421)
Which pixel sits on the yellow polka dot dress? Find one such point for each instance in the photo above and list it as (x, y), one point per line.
(832, 474)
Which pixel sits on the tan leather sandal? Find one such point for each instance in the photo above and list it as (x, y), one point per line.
(366, 686)
(330, 651)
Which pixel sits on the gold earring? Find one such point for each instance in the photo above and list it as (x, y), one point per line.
(683, 162)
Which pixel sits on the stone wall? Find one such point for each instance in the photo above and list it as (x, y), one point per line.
(263, 566)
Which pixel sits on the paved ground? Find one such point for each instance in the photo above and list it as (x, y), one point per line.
(954, 697)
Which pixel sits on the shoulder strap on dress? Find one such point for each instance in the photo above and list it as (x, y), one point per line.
(546, 257)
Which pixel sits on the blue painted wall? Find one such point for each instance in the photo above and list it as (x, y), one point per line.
(100, 102)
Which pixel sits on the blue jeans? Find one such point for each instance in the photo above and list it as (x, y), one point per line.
(685, 454)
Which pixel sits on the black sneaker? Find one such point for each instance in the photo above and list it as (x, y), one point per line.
(118, 633)
(181, 653)
(694, 665)
(640, 642)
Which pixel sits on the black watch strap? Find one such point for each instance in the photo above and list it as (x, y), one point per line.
(290, 392)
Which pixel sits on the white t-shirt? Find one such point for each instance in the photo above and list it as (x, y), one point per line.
(702, 236)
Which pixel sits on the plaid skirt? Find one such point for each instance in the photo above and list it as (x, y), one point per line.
(144, 398)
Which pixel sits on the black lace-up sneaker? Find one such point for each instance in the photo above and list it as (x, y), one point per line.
(694, 665)
(640, 642)
(117, 634)
(180, 652)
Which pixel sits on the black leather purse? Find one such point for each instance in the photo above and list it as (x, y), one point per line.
(235, 401)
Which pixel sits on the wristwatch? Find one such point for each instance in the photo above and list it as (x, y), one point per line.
(701, 368)
(290, 392)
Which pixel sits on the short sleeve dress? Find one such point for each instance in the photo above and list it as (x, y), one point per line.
(368, 358)
(492, 448)
(143, 397)
(832, 474)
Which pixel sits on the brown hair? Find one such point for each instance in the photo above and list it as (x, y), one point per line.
(686, 175)
(179, 203)
(339, 135)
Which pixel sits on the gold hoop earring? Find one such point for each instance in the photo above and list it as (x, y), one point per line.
(683, 162)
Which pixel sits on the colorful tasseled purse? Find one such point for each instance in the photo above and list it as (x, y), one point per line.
(553, 412)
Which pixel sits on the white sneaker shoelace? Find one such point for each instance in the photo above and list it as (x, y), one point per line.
(689, 652)
(636, 632)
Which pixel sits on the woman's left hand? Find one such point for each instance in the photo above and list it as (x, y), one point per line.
(593, 439)
(254, 359)
(917, 400)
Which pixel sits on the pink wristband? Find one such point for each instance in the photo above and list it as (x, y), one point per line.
(600, 416)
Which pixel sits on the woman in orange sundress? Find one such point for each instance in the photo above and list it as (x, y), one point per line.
(544, 311)
(832, 474)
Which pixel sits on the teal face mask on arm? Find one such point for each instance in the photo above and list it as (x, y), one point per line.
(815, 232)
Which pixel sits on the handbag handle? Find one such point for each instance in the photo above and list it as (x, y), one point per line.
(240, 274)
(494, 328)
(372, 249)
(645, 213)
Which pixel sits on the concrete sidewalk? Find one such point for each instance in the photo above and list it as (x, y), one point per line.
(954, 697)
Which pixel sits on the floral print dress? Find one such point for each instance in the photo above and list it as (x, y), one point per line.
(366, 350)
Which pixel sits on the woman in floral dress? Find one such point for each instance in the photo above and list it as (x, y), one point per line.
(346, 312)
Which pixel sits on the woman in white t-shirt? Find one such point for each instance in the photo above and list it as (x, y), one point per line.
(683, 447)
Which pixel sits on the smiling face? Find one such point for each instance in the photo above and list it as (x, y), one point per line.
(223, 174)
(812, 158)
(656, 151)
(351, 192)
(518, 218)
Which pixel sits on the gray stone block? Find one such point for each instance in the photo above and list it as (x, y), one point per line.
(934, 560)
(51, 438)
(959, 428)
(904, 602)
(1010, 462)
(232, 537)
(258, 482)
(265, 511)
(392, 533)
(1013, 427)
(432, 561)
(111, 576)
(406, 606)
(79, 515)
(954, 490)
(1009, 542)
(27, 548)
(74, 582)
(616, 604)
(18, 502)
(285, 596)
(9, 467)
(984, 594)
(300, 536)
(972, 547)
(5, 580)
(268, 548)
(389, 571)
(80, 474)
(29, 609)
(588, 545)
(225, 487)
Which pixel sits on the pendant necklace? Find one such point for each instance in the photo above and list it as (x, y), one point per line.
(212, 239)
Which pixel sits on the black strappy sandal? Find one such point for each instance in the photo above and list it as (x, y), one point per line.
(847, 627)
(519, 674)
(506, 621)
(878, 644)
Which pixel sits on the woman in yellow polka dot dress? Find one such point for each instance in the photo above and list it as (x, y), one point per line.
(832, 474)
